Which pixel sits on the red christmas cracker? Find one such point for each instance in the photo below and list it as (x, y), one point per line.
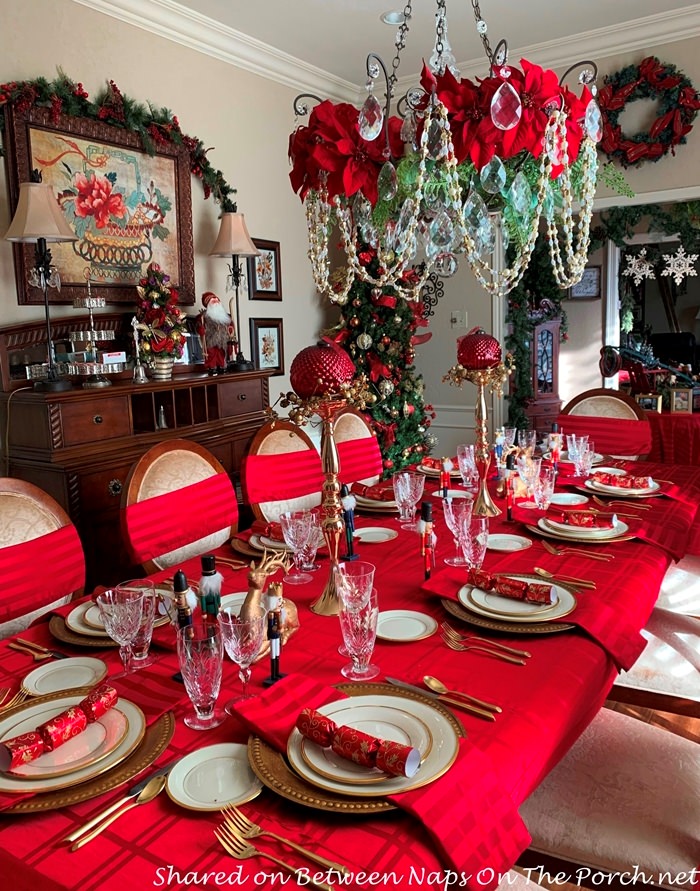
(583, 519)
(515, 589)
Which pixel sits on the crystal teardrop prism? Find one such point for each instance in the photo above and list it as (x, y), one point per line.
(486, 236)
(593, 121)
(493, 176)
(436, 148)
(520, 194)
(386, 182)
(506, 107)
(445, 264)
(409, 129)
(474, 212)
(371, 118)
(442, 230)
(553, 146)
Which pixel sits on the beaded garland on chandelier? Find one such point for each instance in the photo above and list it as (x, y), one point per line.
(463, 165)
(678, 106)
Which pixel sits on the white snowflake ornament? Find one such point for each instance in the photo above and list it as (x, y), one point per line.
(639, 267)
(680, 265)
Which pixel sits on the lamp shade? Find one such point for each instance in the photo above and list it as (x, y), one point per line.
(38, 216)
(233, 238)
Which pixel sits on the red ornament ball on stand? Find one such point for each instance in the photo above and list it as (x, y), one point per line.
(320, 370)
(477, 350)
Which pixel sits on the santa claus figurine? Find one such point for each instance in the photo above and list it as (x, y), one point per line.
(217, 333)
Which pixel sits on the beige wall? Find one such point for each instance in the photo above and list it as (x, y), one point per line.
(245, 118)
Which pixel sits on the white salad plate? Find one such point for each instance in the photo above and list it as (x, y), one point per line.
(211, 777)
(404, 625)
(569, 498)
(64, 674)
(506, 542)
(375, 534)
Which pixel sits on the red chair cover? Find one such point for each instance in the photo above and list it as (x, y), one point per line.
(359, 459)
(614, 436)
(162, 524)
(286, 475)
(37, 572)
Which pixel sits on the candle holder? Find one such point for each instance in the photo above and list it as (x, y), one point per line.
(494, 378)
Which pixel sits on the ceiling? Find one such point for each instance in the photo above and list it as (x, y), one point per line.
(336, 35)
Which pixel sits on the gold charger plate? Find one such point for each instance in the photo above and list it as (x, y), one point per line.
(576, 539)
(59, 629)
(273, 770)
(242, 547)
(154, 743)
(459, 612)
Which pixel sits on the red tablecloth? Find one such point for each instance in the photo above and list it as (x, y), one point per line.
(546, 705)
(675, 438)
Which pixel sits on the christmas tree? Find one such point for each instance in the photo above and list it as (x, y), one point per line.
(378, 328)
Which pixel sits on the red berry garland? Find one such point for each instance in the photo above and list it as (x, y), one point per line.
(678, 105)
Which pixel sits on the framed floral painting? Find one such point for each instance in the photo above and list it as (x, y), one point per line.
(264, 275)
(128, 208)
(267, 345)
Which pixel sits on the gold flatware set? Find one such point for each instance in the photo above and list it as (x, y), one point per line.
(456, 642)
(565, 579)
(6, 704)
(578, 552)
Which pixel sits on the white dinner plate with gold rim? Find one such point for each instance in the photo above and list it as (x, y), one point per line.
(92, 618)
(404, 625)
(453, 493)
(211, 777)
(375, 534)
(233, 601)
(64, 674)
(507, 542)
(435, 472)
(437, 762)
(375, 504)
(603, 489)
(564, 457)
(75, 620)
(580, 532)
(494, 606)
(569, 499)
(396, 724)
(32, 714)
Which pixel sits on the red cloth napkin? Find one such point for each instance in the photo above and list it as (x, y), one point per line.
(611, 628)
(471, 820)
(262, 527)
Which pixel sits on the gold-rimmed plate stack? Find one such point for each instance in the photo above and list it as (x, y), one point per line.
(580, 534)
(375, 506)
(494, 606)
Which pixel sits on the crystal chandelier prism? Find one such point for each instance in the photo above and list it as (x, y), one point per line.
(460, 165)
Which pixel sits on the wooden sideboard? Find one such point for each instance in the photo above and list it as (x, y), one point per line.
(544, 409)
(79, 445)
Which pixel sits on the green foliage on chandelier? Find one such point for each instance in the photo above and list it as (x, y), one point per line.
(155, 126)
(537, 298)
(376, 329)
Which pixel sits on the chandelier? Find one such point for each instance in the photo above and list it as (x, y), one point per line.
(461, 165)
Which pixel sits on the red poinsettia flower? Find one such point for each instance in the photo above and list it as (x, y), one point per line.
(538, 89)
(304, 174)
(575, 129)
(96, 199)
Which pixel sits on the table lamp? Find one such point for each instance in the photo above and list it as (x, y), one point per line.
(234, 241)
(38, 220)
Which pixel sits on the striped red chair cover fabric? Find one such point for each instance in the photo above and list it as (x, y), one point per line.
(613, 421)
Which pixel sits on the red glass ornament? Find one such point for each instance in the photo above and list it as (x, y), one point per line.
(477, 349)
(320, 370)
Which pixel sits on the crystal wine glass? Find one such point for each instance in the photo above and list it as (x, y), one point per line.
(297, 529)
(528, 470)
(467, 467)
(583, 460)
(473, 539)
(527, 440)
(358, 623)
(574, 444)
(543, 488)
(408, 491)
(142, 640)
(120, 610)
(242, 641)
(200, 652)
(456, 511)
(308, 556)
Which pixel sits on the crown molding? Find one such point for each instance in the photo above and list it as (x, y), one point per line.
(186, 27)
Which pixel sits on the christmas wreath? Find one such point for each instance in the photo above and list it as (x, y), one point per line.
(678, 105)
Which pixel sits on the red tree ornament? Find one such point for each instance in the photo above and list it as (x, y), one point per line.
(320, 370)
(477, 349)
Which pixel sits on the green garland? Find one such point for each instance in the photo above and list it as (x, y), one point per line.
(155, 126)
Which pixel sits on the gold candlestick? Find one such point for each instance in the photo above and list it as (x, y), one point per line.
(494, 378)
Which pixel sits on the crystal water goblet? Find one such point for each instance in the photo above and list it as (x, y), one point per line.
(120, 611)
(353, 582)
(527, 440)
(142, 641)
(242, 639)
(456, 511)
(308, 554)
(473, 539)
(509, 434)
(408, 491)
(200, 653)
(467, 467)
(528, 470)
(358, 624)
(296, 529)
(574, 443)
(583, 461)
(543, 488)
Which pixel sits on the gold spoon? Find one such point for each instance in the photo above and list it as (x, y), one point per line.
(438, 687)
(152, 788)
(566, 579)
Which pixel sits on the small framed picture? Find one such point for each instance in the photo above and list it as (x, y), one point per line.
(696, 398)
(267, 345)
(589, 286)
(682, 401)
(264, 275)
(649, 401)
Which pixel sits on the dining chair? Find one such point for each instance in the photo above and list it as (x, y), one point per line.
(281, 471)
(625, 799)
(614, 421)
(359, 455)
(178, 502)
(42, 564)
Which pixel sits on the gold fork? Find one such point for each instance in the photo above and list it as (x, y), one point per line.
(629, 504)
(243, 826)
(243, 850)
(464, 638)
(16, 700)
(461, 647)
(38, 657)
(559, 552)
